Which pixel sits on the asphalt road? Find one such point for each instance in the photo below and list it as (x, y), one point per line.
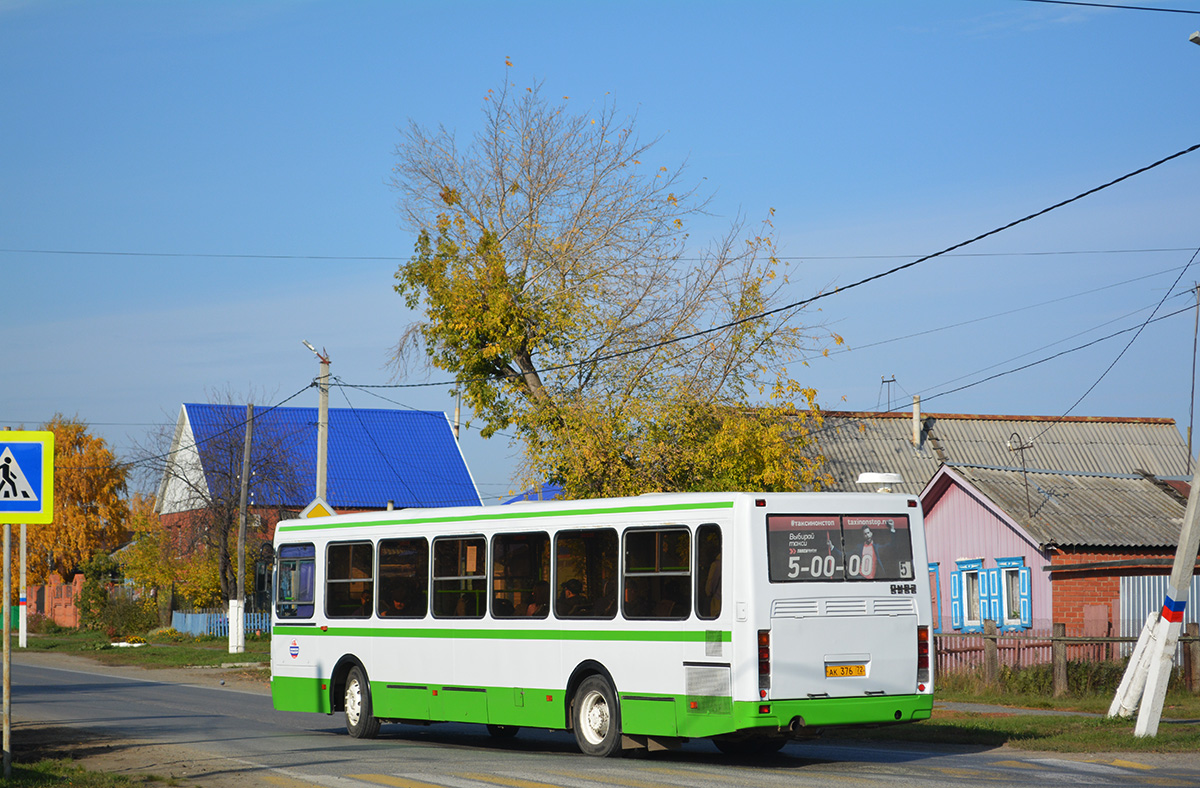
(247, 738)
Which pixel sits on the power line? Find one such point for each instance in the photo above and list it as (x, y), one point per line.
(1056, 355)
(807, 301)
(1116, 6)
(1124, 350)
(1014, 311)
(395, 259)
(238, 425)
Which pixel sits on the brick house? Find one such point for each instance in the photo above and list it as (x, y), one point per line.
(1031, 520)
(56, 600)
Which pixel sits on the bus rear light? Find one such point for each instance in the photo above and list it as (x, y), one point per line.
(923, 649)
(764, 709)
(764, 659)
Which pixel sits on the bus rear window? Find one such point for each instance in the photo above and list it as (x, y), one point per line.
(838, 547)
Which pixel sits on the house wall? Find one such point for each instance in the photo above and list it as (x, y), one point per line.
(1079, 594)
(961, 526)
(56, 600)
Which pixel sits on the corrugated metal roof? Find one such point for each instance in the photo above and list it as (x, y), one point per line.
(856, 442)
(1083, 510)
(409, 457)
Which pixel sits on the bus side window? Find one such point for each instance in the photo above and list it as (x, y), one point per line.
(294, 581)
(404, 577)
(585, 568)
(459, 577)
(708, 571)
(658, 573)
(521, 575)
(349, 586)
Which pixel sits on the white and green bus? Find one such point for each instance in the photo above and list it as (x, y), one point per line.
(752, 619)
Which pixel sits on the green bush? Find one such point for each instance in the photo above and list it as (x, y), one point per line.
(168, 635)
(44, 625)
(121, 616)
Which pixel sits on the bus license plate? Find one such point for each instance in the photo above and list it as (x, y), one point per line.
(841, 671)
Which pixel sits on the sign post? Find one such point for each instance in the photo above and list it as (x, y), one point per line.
(26, 496)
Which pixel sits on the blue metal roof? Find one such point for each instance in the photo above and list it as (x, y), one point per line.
(547, 492)
(409, 457)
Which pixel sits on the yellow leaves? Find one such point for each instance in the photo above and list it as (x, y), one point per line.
(672, 200)
(508, 61)
(449, 196)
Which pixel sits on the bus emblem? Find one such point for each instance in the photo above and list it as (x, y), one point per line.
(294, 649)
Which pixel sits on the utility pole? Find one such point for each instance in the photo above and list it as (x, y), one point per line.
(322, 418)
(237, 605)
(1192, 400)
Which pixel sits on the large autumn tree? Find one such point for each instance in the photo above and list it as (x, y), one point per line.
(90, 509)
(559, 285)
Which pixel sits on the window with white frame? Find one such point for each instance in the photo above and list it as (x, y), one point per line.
(967, 590)
(1015, 594)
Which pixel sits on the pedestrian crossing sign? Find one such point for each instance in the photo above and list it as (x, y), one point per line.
(26, 477)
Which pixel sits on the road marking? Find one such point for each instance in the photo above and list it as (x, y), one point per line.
(499, 779)
(286, 782)
(623, 781)
(390, 779)
(1015, 764)
(1093, 767)
(1132, 765)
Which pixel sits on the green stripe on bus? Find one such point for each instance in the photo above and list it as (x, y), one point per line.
(641, 713)
(519, 514)
(658, 636)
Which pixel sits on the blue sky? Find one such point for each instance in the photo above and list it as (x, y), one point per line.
(175, 133)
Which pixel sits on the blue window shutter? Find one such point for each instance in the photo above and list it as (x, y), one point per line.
(1026, 591)
(993, 596)
(956, 608)
(937, 597)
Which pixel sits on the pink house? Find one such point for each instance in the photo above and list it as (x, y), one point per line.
(1030, 520)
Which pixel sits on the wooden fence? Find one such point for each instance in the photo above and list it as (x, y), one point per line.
(985, 653)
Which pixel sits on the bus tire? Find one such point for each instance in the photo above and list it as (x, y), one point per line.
(596, 718)
(360, 722)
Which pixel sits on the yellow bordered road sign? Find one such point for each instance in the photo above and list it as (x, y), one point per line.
(318, 508)
(26, 477)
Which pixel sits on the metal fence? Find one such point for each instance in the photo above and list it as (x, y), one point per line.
(216, 622)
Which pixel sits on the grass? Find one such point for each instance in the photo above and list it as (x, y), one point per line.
(60, 772)
(168, 649)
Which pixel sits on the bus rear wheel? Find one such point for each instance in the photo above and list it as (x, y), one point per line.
(596, 718)
(360, 722)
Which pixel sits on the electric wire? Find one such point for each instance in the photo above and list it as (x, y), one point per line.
(796, 305)
(1116, 6)
(1124, 350)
